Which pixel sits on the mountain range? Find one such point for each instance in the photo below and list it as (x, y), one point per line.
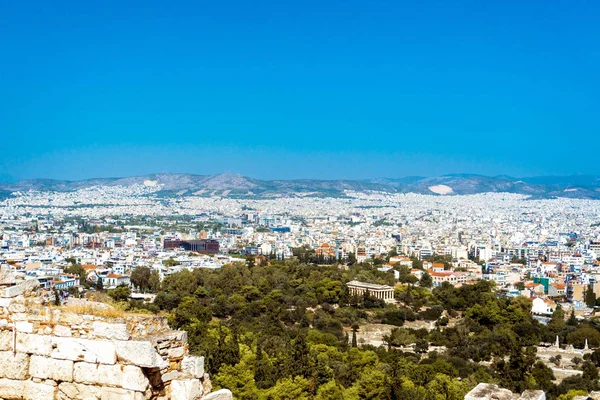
(232, 185)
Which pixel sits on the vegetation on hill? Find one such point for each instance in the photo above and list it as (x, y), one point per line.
(286, 330)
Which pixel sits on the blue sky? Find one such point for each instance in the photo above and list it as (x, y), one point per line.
(305, 89)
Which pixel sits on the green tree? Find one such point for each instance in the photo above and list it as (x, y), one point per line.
(426, 280)
(590, 297)
(330, 391)
(120, 293)
(140, 278)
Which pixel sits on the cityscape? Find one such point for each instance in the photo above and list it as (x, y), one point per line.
(79, 243)
(310, 200)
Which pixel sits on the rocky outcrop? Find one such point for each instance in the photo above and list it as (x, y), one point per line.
(47, 353)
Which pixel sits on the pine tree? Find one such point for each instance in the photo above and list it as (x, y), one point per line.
(590, 297)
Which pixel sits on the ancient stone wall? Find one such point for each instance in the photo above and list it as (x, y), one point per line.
(48, 353)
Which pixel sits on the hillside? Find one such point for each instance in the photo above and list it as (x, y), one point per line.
(237, 185)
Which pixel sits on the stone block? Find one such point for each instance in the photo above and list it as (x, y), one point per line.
(62, 331)
(24, 326)
(17, 308)
(176, 353)
(6, 340)
(11, 389)
(38, 391)
(49, 368)
(134, 379)
(92, 351)
(128, 377)
(5, 302)
(193, 365)
(223, 394)
(78, 391)
(7, 275)
(97, 374)
(40, 345)
(186, 389)
(13, 366)
(103, 330)
(120, 394)
(11, 291)
(141, 353)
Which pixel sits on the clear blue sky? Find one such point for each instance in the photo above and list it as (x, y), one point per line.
(312, 89)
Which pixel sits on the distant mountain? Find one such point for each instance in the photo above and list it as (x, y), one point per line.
(233, 185)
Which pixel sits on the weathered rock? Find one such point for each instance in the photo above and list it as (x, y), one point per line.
(103, 330)
(63, 331)
(94, 374)
(120, 394)
(13, 366)
(194, 365)
(141, 353)
(186, 389)
(6, 340)
(134, 379)
(78, 391)
(223, 394)
(30, 287)
(24, 326)
(7, 275)
(17, 308)
(206, 383)
(38, 391)
(11, 291)
(176, 353)
(11, 389)
(40, 345)
(128, 377)
(92, 351)
(48, 368)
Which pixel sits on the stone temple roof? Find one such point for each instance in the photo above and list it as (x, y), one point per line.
(369, 286)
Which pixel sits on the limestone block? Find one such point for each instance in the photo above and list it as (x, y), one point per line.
(6, 340)
(7, 275)
(5, 302)
(13, 366)
(141, 353)
(134, 379)
(194, 365)
(92, 351)
(11, 389)
(38, 391)
(30, 287)
(128, 377)
(49, 368)
(120, 394)
(63, 331)
(172, 375)
(24, 326)
(11, 291)
(186, 389)
(223, 394)
(97, 374)
(17, 308)
(103, 330)
(78, 391)
(40, 345)
(177, 352)
(206, 383)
